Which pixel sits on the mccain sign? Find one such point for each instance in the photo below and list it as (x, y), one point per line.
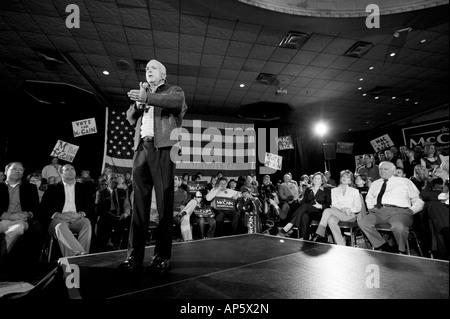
(436, 133)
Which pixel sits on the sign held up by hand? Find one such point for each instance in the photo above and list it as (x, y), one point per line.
(381, 143)
(84, 127)
(65, 151)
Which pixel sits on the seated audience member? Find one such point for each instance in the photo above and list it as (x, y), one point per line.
(330, 181)
(89, 182)
(345, 204)
(316, 199)
(249, 207)
(222, 191)
(431, 158)
(288, 196)
(2, 177)
(268, 196)
(390, 157)
(212, 183)
(179, 203)
(361, 185)
(420, 177)
(410, 162)
(51, 169)
(36, 179)
(19, 204)
(113, 208)
(435, 214)
(370, 169)
(203, 214)
(391, 200)
(240, 182)
(65, 208)
(251, 184)
(232, 184)
(399, 172)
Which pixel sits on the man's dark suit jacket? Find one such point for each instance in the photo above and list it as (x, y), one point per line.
(29, 198)
(55, 197)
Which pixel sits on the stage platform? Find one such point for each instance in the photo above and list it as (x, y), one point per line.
(258, 266)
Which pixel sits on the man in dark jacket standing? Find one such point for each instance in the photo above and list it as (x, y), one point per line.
(158, 110)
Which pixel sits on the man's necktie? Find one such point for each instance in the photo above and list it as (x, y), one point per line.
(380, 195)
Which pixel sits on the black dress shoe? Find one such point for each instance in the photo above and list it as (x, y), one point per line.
(387, 248)
(320, 239)
(159, 264)
(130, 264)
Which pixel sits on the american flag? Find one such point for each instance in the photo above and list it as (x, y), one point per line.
(232, 145)
(119, 141)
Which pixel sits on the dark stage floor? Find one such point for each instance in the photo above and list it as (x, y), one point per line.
(257, 266)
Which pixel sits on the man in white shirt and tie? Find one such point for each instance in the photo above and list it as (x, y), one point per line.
(392, 200)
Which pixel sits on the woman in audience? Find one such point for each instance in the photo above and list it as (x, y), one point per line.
(420, 177)
(431, 158)
(345, 204)
(410, 162)
(316, 199)
(212, 183)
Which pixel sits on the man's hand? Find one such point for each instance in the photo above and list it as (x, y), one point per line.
(139, 95)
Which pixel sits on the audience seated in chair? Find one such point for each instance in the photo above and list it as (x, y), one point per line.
(391, 200)
(203, 214)
(289, 196)
(19, 204)
(65, 207)
(113, 208)
(435, 215)
(180, 218)
(316, 199)
(221, 191)
(345, 204)
(249, 208)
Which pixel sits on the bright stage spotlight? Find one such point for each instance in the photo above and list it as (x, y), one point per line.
(321, 129)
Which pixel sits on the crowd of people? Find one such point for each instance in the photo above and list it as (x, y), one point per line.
(404, 189)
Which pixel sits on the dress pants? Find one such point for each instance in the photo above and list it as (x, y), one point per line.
(232, 215)
(400, 220)
(303, 217)
(13, 229)
(64, 232)
(152, 168)
(331, 218)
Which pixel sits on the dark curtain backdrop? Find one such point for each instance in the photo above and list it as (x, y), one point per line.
(30, 131)
(307, 156)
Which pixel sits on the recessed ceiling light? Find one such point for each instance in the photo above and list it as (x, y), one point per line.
(361, 79)
(406, 100)
(367, 122)
(364, 94)
(371, 68)
(423, 40)
(376, 97)
(393, 97)
(242, 85)
(349, 129)
(416, 102)
(360, 88)
(392, 54)
(105, 72)
(389, 113)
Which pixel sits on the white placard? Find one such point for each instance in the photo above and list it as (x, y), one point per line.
(273, 161)
(64, 151)
(381, 143)
(84, 127)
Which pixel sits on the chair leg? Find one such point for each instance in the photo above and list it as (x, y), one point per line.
(352, 237)
(50, 248)
(414, 235)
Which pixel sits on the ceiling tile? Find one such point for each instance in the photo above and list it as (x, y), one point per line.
(246, 32)
(139, 36)
(233, 63)
(221, 29)
(135, 18)
(165, 21)
(215, 46)
(191, 43)
(193, 25)
(261, 52)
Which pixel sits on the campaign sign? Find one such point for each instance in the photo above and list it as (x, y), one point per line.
(224, 203)
(285, 143)
(197, 186)
(344, 148)
(436, 133)
(64, 151)
(204, 212)
(381, 143)
(84, 127)
(273, 161)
